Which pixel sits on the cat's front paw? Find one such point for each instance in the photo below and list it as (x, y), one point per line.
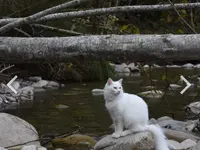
(116, 134)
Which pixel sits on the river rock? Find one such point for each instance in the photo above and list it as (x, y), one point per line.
(152, 94)
(196, 147)
(137, 141)
(164, 118)
(75, 140)
(122, 68)
(188, 65)
(193, 108)
(96, 92)
(40, 84)
(188, 143)
(33, 147)
(35, 78)
(61, 106)
(174, 145)
(197, 66)
(14, 131)
(53, 84)
(133, 68)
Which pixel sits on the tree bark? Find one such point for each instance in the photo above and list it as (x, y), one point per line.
(105, 11)
(107, 47)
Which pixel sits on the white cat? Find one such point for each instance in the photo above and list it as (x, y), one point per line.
(130, 112)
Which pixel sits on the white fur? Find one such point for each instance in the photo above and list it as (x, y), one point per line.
(130, 112)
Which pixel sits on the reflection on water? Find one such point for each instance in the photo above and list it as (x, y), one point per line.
(89, 112)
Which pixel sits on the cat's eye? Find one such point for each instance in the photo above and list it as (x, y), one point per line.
(119, 87)
(115, 87)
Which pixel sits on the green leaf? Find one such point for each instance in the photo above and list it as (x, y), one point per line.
(136, 30)
(180, 31)
(124, 27)
(164, 77)
(70, 65)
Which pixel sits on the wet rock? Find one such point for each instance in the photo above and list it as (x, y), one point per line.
(174, 145)
(122, 68)
(35, 78)
(197, 66)
(152, 94)
(75, 140)
(156, 66)
(188, 143)
(14, 130)
(164, 118)
(133, 68)
(146, 66)
(40, 84)
(61, 106)
(196, 147)
(2, 148)
(174, 86)
(96, 92)
(180, 135)
(193, 108)
(33, 147)
(188, 66)
(53, 84)
(138, 141)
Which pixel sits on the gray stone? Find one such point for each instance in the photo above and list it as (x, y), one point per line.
(188, 65)
(40, 84)
(14, 131)
(152, 94)
(133, 67)
(174, 145)
(193, 107)
(53, 84)
(122, 68)
(188, 143)
(164, 118)
(196, 147)
(35, 78)
(61, 106)
(139, 141)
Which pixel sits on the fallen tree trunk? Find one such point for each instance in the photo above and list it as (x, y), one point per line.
(108, 47)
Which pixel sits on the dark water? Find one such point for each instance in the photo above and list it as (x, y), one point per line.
(89, 112)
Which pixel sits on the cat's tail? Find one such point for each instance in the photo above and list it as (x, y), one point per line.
(161, 142)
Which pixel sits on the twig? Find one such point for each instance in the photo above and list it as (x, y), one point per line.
(10, 66)
(173, 5)
(24, 33)
(106, 11)
(56, 29)
(32, 18)
(22, 144)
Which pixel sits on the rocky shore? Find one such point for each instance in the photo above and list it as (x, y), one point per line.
(25, 90)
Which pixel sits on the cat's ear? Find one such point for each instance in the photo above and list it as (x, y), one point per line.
(120, 80)
(110, 81)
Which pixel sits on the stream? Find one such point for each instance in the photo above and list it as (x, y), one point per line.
(88, 111)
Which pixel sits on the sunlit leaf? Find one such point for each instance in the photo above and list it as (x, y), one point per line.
(124, 27)
(164, 77)
(180, 31)
(136, 30)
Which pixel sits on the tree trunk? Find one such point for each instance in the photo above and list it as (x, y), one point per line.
(108, 47)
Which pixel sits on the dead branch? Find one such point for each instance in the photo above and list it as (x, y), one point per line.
(21, 31)
(6, 68)
(56, 29)
(32, 18)
(105, 11)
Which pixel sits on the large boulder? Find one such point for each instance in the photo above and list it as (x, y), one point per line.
(15, 131)
(137, 141)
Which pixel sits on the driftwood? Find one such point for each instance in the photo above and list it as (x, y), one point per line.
(108, 47)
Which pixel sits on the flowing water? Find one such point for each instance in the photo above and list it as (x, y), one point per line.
(89, 112)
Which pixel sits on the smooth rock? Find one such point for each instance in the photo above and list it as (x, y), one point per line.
(174, 145)
(122, 68)
(193, 107)
(40, 84)
(74, 140)
(188, 65)
(61, 106)
(96, 92)
(53, 84)
(188, 143)
(164, 118)
(35, 78)
(196, 147)
(152, 94)
(2, 148)
(146, 66)
(133, 67)
(137, 141)
(14, 131)
(197, 66)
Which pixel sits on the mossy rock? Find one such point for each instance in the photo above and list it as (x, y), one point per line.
(74, 142)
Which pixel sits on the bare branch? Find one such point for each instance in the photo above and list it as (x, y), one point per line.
(6, 68)
(32, 18)
(56, 29)
(105, 11)
(182, 17)
(23, 32)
